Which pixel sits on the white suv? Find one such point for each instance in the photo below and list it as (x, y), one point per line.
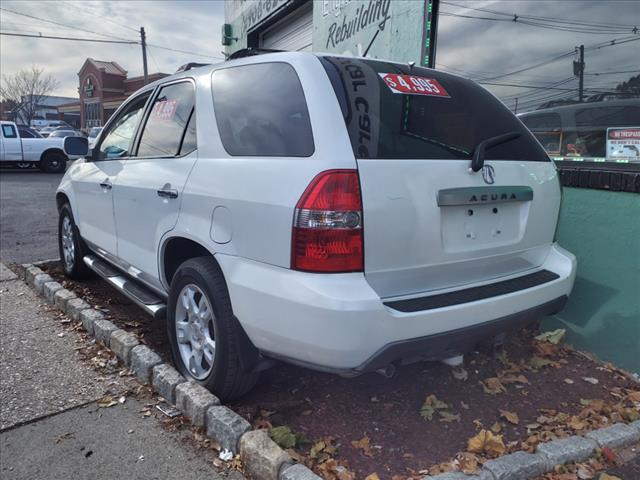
(344, 214)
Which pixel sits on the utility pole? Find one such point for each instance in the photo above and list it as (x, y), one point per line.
(143, 42)
(578, 70)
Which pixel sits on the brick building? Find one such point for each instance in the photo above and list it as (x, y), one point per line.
(103, 87)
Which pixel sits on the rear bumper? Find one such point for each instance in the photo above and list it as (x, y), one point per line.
(337, 322)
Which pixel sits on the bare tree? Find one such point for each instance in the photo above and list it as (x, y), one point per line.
(27, 89)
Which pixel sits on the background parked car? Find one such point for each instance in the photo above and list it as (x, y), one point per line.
(28, 132)
(93, 136)
(46, 131)
(66, 133)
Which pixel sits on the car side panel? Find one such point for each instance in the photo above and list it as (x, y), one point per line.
(258, 194)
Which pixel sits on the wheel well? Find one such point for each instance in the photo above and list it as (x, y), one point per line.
(50, 151)
(177, 251)
(61, 199)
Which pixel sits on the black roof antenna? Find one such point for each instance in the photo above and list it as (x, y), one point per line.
(190, 65)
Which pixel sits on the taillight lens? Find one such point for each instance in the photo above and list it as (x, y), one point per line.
(327, 225)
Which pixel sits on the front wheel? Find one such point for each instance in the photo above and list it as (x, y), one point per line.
(203, 333)
(53, 162)
(72, 248)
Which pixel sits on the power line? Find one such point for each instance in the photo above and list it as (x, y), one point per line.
(60, 24)
(94, 14)
(614, 73)
(526, 86)
(548, 19)
(77, 39)
(184, 51)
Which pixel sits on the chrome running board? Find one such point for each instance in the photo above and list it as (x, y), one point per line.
(136, 292)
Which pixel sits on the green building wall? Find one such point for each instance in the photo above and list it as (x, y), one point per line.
(602, 228)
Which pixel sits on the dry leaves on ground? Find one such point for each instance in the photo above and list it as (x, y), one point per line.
(485, 442)
(364, 445)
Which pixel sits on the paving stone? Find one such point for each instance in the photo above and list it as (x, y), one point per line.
(30, 273)
(635, 425)
(516, 466)
(121, 343)
(454, 476)
(62, 297)
(618, 435)
(39, 281)
(89, 317)
(262, 457)
(102, 330)
(226, 427)
(165, 379)
(75, 306)
(50, 289)
(300, 472)
(194, 400)
(142, 361)
(565, 450)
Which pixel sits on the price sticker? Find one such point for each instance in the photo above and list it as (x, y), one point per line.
(412, 85)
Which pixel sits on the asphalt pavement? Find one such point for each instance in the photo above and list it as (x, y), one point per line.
(28, 217)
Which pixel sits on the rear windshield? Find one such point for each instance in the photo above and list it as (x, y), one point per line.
(394, 111)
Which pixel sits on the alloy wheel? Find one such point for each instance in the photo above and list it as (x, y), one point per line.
(68, 247)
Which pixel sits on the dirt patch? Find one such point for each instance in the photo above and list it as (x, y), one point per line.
(351, 428)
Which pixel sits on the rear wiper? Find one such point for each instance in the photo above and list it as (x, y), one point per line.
(477, 162)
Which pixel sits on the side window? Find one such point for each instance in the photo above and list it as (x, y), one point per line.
(26, 134)
(9, 131)
(261, 111)
(117, 140)
(190, 141)
(165, 128)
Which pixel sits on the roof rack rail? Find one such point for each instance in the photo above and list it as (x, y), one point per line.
(190, 65)
(251, 51)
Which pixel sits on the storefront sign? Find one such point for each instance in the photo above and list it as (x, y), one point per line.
(623, 144)
(246, 15)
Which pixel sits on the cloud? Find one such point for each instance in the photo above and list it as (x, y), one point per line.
(191, 26)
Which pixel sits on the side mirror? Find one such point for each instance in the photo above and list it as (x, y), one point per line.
(76, 146)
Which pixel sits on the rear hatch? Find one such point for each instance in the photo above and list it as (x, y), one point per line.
(430, 223)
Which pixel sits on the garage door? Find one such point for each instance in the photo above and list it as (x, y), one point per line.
(293, 33)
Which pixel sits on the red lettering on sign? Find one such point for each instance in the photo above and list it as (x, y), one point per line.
(164, 110)
(412, 85)
(624, 133)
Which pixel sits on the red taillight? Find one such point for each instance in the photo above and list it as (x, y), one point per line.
(327, 226)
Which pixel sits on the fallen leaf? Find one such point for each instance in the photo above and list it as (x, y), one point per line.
(538, 363)
(606, 476)
(106, 402)
(283, 436)
(591, 380)
(553, 336)
(568, 381)
(430, 405)
(446, 416)
(511, 417)
(496, 427)
(373, 476)
(576, 423)
(468, 462)
(609, 455)
(364, 445)
(493, 386)
(486, 442)
(506, 379)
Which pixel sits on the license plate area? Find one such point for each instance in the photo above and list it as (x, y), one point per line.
(475, 227)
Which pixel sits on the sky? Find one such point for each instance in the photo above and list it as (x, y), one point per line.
(473, 47)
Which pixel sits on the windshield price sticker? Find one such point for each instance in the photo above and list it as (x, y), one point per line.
(412, 85)
(164, 110)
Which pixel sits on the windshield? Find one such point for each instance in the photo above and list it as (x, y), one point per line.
(393, 111)
(94, 132)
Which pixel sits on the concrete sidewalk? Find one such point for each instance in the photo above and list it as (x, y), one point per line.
(50, 425)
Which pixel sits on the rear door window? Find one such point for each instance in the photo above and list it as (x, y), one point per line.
(167, 121)
(395, 111)
(261, 111)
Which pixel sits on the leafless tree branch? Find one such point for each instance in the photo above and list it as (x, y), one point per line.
(27, 89)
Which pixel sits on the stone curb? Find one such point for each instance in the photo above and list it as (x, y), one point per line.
(222, 424)
(262, 458)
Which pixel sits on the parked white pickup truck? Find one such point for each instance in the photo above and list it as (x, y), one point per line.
(47, 153)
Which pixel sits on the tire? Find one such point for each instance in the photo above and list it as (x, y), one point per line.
(224, 375)
(53, 162)
(71, 247)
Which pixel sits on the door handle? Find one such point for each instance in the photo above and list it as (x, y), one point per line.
(167, 193)
(106, 185)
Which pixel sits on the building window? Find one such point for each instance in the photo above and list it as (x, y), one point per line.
(92, 115)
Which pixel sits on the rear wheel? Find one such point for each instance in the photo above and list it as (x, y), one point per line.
(203, 333)
(72, 248)
(53, 162)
